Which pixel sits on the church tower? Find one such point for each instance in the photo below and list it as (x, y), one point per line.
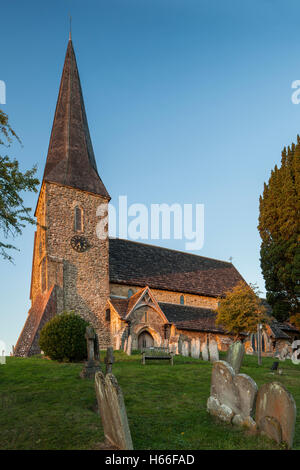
(70, 263)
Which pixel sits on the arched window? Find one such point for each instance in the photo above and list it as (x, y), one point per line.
(146, 317)
(181, 300)
(107, 315)
(130, 292)
(78, 222)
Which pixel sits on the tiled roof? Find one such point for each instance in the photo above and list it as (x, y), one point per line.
(120, 305)
(123, 306)
(288, 327)
(280, 330)
(139, 264)
(42, 310)
(277, 331)
(191, 318)
(71, 159)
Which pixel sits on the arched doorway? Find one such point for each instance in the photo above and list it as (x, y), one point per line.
(145, 340)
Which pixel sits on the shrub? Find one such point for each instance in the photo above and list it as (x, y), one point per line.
(63, 338)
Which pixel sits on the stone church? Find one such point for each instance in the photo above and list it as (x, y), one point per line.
(134, 294)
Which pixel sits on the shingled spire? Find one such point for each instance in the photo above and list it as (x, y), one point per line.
(70, 159)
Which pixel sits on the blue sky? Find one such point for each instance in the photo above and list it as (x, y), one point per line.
(188, 101)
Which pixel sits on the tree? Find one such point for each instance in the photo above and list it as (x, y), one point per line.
(13, 213)
(241, 310)
(279, 228)
(295, 320)
(63, 338)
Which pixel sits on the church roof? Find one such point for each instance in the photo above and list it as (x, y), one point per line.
(142, 265)
(184, 317)
(191, 318)
(70, 159)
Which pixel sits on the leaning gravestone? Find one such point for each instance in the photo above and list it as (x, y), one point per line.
(235, 356)
(276, 412)
(213, 351)
(231, 396)
(204, 352)
(113, 412)
(91, 366)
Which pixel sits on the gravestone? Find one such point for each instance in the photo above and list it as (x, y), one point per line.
(275, 366)
(118, 343)
(285, 353)
(276, 412)
(232, 396)
(129, 345)
(195, 348)
(204, 352)
(235, 355)
(180, 345)
(185, 348)
(113, 412)
(91, 366)
(109, 360)
(213, 351)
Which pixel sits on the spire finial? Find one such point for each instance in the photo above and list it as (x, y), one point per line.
(70, 32)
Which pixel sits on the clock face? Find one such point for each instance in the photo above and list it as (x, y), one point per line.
(79, 243)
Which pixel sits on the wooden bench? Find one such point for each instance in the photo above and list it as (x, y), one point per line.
(157, 354)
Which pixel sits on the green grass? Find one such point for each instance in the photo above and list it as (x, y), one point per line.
(45, 405)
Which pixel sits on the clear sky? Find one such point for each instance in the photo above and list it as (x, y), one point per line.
(188, 101)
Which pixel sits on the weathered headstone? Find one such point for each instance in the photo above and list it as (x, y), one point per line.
(235, 355)
(232, 396)
(109, 360)
(195, 348)
(129, 345)
(204, 352)
(285, 353)
(96, 349)
(213, 351)
(91, 366)
(118, 343)
(180, 343)
(113, 411)
(185, 348)
(247, 391)
(276, 409)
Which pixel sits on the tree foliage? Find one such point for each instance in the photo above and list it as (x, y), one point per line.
(63, 338)
(279, 228)
(13, 213)
(241, 310)
(295, 320)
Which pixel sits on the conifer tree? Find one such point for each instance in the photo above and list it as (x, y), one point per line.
(279, 228)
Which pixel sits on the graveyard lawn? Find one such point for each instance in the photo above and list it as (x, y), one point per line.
(45, 405)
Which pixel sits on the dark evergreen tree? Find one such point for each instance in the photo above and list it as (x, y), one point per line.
(279, 228)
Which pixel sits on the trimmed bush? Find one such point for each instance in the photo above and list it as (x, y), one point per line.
(63, 338)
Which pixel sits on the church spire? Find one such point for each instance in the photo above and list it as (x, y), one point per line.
(70, 159)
